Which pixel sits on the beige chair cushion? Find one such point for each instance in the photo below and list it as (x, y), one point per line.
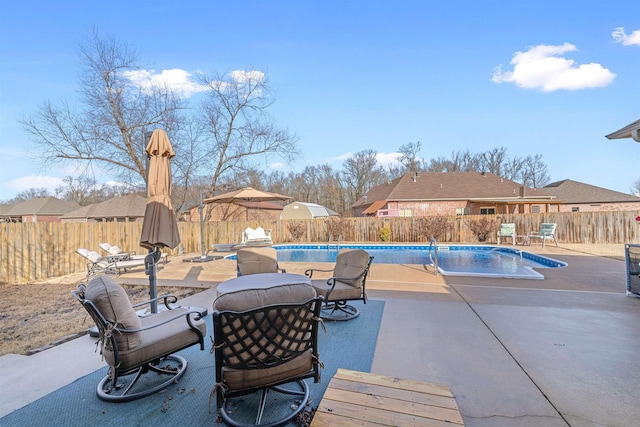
(257, 260)
(341, 291)
(161, 340)
(351, 263)
(112, 301)
(248, 299)
(244, 379)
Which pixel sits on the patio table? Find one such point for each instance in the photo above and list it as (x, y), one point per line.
(261, 281)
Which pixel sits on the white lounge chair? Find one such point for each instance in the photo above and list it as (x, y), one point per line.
(114, 253)
(98, 264)
(251, 236)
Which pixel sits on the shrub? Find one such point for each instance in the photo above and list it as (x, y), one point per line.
(431, 227)
(297, 229)
(482, 228)
(385, 233)
(337, 227)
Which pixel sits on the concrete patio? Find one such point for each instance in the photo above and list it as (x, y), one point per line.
(554, 352)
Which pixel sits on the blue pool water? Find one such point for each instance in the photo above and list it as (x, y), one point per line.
(453, 260)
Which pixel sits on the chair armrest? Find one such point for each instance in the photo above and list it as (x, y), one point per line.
(186, 314)
(167, 299)
(309, 272)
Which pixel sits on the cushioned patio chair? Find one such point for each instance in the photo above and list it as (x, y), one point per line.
(265, 345)
(346, 284)
(256, 236)
(547, 232)
(133, 346)
(507, 231)
(256, 260)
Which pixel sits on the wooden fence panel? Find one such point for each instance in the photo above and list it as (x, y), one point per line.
(33, 251)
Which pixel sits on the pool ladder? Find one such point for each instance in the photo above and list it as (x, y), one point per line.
(337, 244)
(434, 261)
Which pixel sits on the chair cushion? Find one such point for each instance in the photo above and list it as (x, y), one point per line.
(257, 260)
(351, 263)
(162, 340)
(507, 229)
(113, 302)
(244, 379)
(341, 292)
(248, 299)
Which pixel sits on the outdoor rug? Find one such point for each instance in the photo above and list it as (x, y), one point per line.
(348, 345)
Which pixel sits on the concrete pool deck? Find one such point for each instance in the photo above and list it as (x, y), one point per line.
(557, 352)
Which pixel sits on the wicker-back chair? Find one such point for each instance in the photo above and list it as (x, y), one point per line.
(132, 346)
(265, 341)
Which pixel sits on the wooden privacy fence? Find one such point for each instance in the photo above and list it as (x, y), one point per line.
(34, 251)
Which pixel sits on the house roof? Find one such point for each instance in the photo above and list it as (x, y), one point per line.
(44, 206)
(450, 186)
(129, 206)
(578, 192)
(627, 132)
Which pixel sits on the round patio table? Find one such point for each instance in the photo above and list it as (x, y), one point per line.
(261, 281)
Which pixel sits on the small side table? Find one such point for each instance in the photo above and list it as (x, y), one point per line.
(523, 239)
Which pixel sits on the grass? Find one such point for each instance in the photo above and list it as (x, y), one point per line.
(38, 315)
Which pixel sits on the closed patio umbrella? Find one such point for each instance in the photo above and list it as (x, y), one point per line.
(159, 226)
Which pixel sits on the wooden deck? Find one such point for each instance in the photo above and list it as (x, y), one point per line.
(363, 399)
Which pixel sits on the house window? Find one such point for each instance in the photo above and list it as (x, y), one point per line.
(535, 209)
(487, 211)
(405, 212)
(575, 209)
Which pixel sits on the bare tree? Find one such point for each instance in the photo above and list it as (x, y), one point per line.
(107, 126)
(26, 195)
(409, 157)
(360, 173)
(534, 173)
(236, 126)
(635, 188)
(494, 161)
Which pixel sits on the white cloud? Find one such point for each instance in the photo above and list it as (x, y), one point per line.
(35, 181)
(543, 67)
(388, 159)
(176, 79)
(620, 36)
(242, 76)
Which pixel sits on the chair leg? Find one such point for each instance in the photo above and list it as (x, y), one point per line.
(117, 388)
(338, 311)
(301, 399)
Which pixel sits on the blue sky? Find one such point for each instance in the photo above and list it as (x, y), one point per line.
(537, 77)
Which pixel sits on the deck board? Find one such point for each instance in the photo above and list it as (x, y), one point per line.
(359, 398)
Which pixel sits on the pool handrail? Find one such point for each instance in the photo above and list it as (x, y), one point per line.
(433, 244)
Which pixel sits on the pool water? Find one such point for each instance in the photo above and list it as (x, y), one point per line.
(453, 260)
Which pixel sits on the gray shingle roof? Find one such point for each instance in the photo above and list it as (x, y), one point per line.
(577, 192)
(446, 186)
(129, 206)
(49, 206)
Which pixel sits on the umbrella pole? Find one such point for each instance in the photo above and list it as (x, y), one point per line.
(150, 269)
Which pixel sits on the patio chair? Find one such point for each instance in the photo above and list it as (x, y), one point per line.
(257, 260)
(507, 231)
(114, 252)
(547, 232)
(133, 346)
(257, 236)
(346, 284)
(98, 264)
(265, 345)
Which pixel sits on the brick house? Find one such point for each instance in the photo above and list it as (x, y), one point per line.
(125, 208)
(580, 197)
(473, 193)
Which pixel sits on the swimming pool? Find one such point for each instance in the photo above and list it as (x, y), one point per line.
(453, 260)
